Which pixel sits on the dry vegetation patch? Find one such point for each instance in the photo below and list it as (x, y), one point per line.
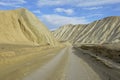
(103, 51)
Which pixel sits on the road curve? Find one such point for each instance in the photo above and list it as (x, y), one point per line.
(74, 68)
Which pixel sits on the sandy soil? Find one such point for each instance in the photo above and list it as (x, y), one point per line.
(17, 61)
(73, 68)
(55, 64)
(46, 71)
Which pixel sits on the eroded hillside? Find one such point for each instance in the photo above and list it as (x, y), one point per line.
(22, 27)
(106, 30)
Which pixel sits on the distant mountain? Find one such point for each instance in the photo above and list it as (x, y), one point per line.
(106, 30)
(22, 27)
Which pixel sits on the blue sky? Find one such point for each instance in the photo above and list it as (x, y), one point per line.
(55, 13)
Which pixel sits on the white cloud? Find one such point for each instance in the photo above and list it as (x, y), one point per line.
(95, 15)
(18, 6)
(37, 11)
(81, 3)
(11, 2)
(62, 10)
(53, 29)
(93, 8)
(97, 2)
(50, 2)
(58, 20)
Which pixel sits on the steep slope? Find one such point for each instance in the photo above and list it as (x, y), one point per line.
(106, 30)
(22, 27)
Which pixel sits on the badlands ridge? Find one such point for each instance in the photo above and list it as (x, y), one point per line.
(22, 27)
(29, 51)
(106, 30)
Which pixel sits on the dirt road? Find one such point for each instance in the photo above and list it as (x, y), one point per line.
(73, 68)
(63, 64)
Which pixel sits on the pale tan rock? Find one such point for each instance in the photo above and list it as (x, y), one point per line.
(22, 27)
(106, 30)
